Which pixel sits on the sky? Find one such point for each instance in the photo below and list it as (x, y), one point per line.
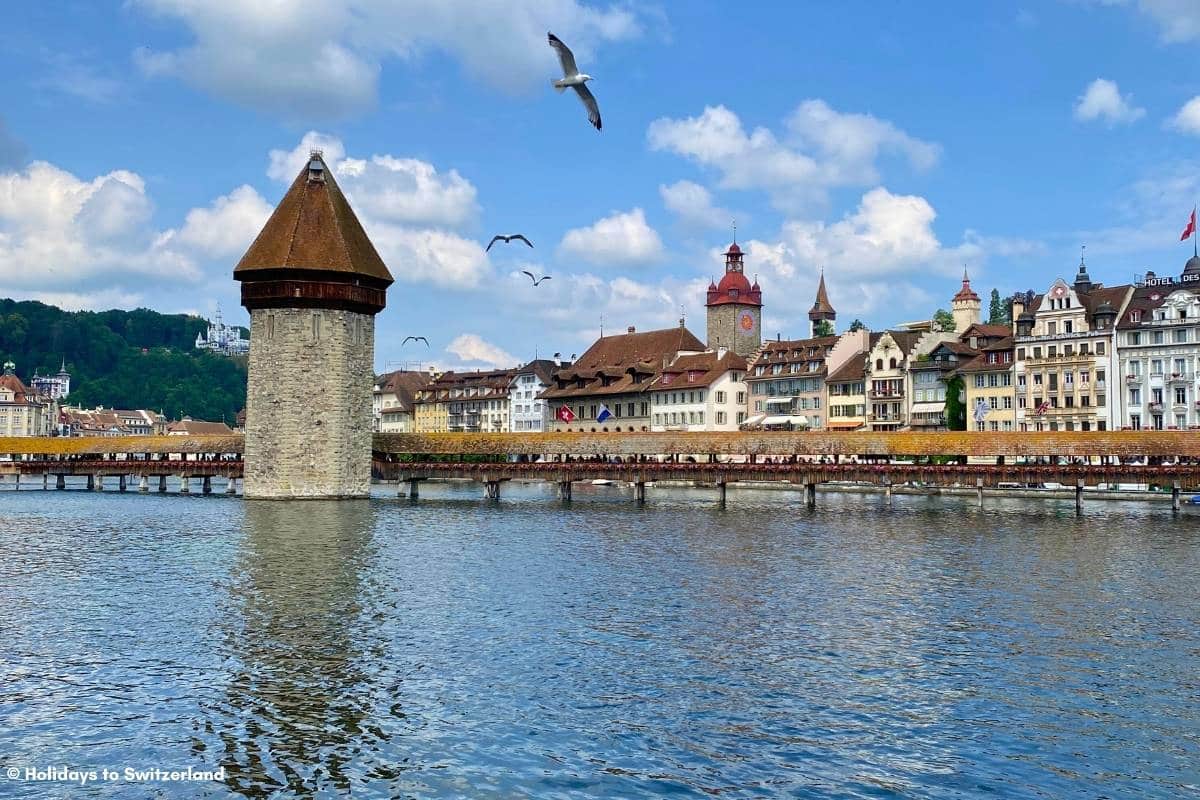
(144, 143)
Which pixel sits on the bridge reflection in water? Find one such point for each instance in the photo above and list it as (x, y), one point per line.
(1167, 459)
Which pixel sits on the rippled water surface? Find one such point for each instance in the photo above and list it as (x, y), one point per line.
(460, 648)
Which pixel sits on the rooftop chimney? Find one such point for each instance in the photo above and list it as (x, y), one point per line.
(558, 359)
(630, 329)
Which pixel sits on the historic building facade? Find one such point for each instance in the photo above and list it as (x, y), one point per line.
(787, 384)
(887, 377)
(700, 392)
(1065, 363)
(1158, 350)
(22, 411)
(527, 411)
(313, 283)
(734, 309)
(392, 402)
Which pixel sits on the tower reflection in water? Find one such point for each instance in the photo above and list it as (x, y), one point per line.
(299, 641)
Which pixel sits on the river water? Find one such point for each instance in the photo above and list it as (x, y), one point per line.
(460, 648)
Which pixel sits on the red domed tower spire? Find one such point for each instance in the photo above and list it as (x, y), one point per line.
(734, 308)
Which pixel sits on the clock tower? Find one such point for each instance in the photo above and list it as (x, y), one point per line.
(734, 309)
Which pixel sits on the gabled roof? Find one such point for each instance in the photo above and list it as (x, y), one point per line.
(853, 370)
(403, 384)
(794, 351)
(987, 329)
(313, 228)
(617, 360)
(821, 305)
(704, 368)
(543, 369)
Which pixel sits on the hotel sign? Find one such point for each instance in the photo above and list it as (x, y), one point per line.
(1170, 281)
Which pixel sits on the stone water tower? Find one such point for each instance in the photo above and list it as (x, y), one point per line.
(313, 283)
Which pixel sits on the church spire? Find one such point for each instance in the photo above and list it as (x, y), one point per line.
(822, 309)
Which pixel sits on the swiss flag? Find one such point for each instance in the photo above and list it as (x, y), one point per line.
(1191, 227)
(565, 414)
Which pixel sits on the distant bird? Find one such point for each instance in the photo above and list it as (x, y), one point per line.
(415, 339)
(500, 237)
(575, 79)
(536, 280)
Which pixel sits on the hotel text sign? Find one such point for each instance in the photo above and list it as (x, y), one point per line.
(1169, 281)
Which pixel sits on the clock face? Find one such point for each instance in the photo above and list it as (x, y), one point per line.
(746, 321)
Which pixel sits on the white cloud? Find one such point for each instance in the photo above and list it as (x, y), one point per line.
(427, 255)
(693, 204)
(1187, 120)
(473, 349)
(228, 226)
(1178, 20)
(302, 59)
(1103, 100)
(621, 239)
(59, 233)
(822, 149)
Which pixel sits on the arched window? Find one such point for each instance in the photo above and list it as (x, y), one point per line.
(879, 363)
(891, 363)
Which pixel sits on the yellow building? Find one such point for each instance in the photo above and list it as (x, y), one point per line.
(846, 395)
(431, 409)
(990, 396)
(22, 411)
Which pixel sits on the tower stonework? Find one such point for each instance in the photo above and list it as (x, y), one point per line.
(734, 309)
(965, 307)
(312, 282)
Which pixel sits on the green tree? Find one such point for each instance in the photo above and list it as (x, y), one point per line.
(943, 320)
(956, 409)
(998, 312)
(857, 325)
(823, 328)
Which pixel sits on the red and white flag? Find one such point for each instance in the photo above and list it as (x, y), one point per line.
(565, 414)
(1191, 227)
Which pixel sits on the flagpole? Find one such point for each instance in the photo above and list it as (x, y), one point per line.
(1194, 251)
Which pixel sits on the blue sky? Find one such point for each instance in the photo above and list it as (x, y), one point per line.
(144, 142)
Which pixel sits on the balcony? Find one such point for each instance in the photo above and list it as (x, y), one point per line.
(1181, 377)
(1156, 408)
(1133, 378)
(896, 393)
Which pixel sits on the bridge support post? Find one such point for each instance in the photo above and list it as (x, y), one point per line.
(810, 496)
(979, 490)
(17, 481)
(206, 485)
(60, 481)
(1079, 496)
(1175, 496)
(564, 491)
(887, 491)
(231, 485)
(96, 482)
(724, 487)
(414, 488)
(45, 481)
(639, 492)
(162, 483)
(491, 489)
(143, 484)
(184, 488)
(121, 485)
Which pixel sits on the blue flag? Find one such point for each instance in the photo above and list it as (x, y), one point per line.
(604, 413)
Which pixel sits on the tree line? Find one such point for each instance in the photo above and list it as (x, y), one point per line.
(124, 359)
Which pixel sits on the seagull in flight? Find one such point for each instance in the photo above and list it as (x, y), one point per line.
(500, 237)
(536, 280)
(575, 79)
(415, 339)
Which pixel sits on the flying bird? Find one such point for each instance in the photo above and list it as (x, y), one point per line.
(536, 280)
(500, 237)
(415, 339)
(574, 79)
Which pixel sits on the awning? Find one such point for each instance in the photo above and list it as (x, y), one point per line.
(790, 419)
(780, 401)
(844, 426)
(755, 420)
(929, 408)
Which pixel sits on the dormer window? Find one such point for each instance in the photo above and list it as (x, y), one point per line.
(1135, 315)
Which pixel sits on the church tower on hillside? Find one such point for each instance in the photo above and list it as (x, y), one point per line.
(734, 309)
(966, 306)
(822, 310)
(313, 283)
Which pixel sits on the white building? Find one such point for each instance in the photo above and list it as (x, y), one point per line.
(392, 406)
(525, 411)
(22, 411)
(222, 338)
(1158, 350)
(700, 392)
(56, 387)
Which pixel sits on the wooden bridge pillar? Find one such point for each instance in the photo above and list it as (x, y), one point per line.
(414, 488)
(184, 488)
(162, 483)
(810, 495)
(206, 484)
(564, 491)
(492, 489)
(121, 485)
(96, 483)
(1175, 496)
(143, 484)
(639, 492)
(45, 481)
(887, 491)
(1079, 496)
(979, 490)
(60, 481)
(231, 485)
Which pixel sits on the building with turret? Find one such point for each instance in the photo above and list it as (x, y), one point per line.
(966, 306)
(221, 338)
(734, 309)
(56, 387)
(313, 283)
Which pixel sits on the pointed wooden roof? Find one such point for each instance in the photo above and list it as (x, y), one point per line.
(313, 229)
(822, 304)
